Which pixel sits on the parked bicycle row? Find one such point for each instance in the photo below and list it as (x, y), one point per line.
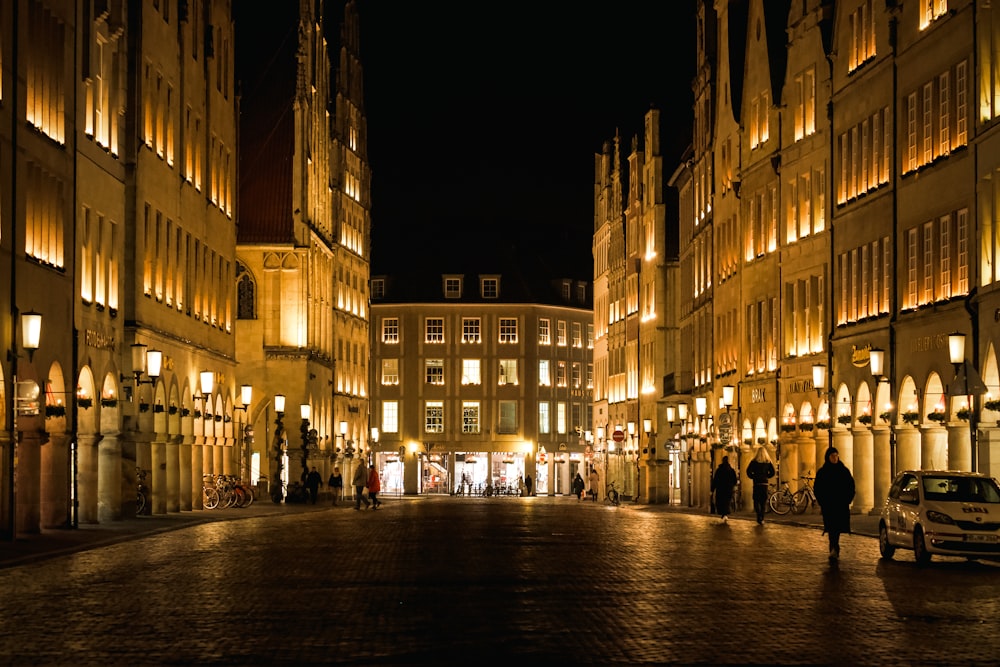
(226, 491)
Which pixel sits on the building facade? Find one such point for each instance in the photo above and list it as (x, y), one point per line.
(483, 381)
(304, 241)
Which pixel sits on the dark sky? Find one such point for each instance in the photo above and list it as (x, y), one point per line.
(484, 118)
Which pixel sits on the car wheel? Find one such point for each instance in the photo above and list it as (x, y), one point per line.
(884, 548)
(920, 547)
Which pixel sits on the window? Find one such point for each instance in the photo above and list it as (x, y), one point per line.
(544, 335)
(932, 9)
(470, 372)
(508, 330)
(390, 329)
(434, 371)
(490, 288)
(561, 374)
(452, 288)
(576, 378)
(561, 333)
(434, 417)
(590, 376)
(470, 416)
(544, 418)
(590, 336)
(390, 417)
(560, 418)
(378, 288)
(544, 377)
(508, 417)
(390, 371)
(508, 371)
(470, 330)
(434, 330)
(577, 335)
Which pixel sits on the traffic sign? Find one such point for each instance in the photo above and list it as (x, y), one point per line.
(618, 435)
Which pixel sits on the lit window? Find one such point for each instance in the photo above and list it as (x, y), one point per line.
(390, 416)
(544, 378)
(508, 371)
(452, 288)
(390, 330)
(390, 371)
(508, 330)
(470, 330)
(561, 333)
(470, 416)
(435, 371)
(544, 335)
(434, 330)
(490, 288)
(470, 371)
(434, 417)
(544, 418)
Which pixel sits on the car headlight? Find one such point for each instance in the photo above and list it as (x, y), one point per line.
(939, 517)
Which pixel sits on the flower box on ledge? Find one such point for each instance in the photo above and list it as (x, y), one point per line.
(823, 424)
(144, 407)
(911, 418)
(806, 426)
(172, 409)
(158, 408)
(992, 404)
(936, 416)
(865, 419)
(85, 403)
(844, 419)
(185, 412)
(963, 414)
(788, 428)
(55, 411)
(109, 402)
(886, 417)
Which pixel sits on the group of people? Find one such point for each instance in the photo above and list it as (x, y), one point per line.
(364, 477)
(579, 486)
(834, 489)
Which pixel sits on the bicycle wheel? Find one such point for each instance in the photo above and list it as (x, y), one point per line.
(781, 502)
(211, 498)
(613, 497)
(800, 501)
(140, 502)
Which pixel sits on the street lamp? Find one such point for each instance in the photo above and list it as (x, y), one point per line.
(348, 452)
(278, 492)
(728, 393)
(143, 361)
(246, 431)
(967, 382)
(31, 333)
(308, 437)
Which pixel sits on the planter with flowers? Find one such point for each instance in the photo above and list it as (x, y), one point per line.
(865, 419)
(844, 419)
(911, 418)
(992, 404)
(886, 417)
(172, 409)
(761, 441)
(55, 411)
(107, 402)
(963, 414)
(85, 403)
(806, 426)
(937, 416)
(788, 428)
(144, 407)
(823, 424)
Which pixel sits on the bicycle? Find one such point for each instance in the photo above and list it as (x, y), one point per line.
(782, 501)
(140, 490)
(613, 497)
(805, 497)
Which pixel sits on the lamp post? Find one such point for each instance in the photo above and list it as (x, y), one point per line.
(246, 432)
(305, 411)
(31, 333)
(145, 361)
(278, 492)
(968, 382)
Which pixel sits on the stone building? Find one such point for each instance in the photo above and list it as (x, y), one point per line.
(304, 238)
(483, 379)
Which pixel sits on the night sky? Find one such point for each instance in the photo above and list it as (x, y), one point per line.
(484, 118)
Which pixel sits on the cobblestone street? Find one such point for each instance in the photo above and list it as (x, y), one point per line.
(456, 580)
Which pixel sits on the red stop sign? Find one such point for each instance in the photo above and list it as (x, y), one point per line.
(618, 436)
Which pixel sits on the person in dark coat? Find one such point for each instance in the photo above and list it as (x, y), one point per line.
(578, 486)
(834, 488)
(723, 482)
(313, 482)
(760, 471)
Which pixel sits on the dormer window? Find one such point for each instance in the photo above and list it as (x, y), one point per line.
(452, 287)
(490, 288)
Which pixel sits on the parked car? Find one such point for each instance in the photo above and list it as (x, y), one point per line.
(941, 512)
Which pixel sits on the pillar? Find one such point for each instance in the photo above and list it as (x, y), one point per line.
(882, 463)
(789, 470)
(934, 448)
(959, 446)
(907, 448)
(173, 473)
(111, 480)
(989, 450)
(86, 476)
(28, 481)
(864, 470)
(843, 440)
(186, 481)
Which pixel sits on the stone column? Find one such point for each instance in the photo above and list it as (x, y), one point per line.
(789, 470)
(198, 474)
(112, 480)
(28, 471)
(934, 448)
(173, 473)
(907, 448)
(863, 471)
(55, 482)
(959, 446)
(86, 476)
(187, 488)
(881, 462)
(989, 450)
(807, 447)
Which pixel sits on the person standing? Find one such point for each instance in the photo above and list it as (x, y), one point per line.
(760, 471)
(723, 482)
(595, 481)
(313, 482)
(374, 486)
(527, 483)
(336, 484)
(359, 480)
(834, 489)
(578, 486)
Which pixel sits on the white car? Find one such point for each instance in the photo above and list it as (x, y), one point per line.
(941, 512)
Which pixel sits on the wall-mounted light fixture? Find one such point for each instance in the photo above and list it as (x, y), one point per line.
(728, 394)
(31, 332)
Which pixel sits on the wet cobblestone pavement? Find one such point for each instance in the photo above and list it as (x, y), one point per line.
(463, 580)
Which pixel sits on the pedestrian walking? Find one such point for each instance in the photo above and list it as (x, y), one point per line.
(520, 484)
(834, 489)
(336, 484)
(595, 481)
(578, 486)
(760, 471)
(723, 482)
(374, 486)
(313, 482)
(359, 481)
(527, 483)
